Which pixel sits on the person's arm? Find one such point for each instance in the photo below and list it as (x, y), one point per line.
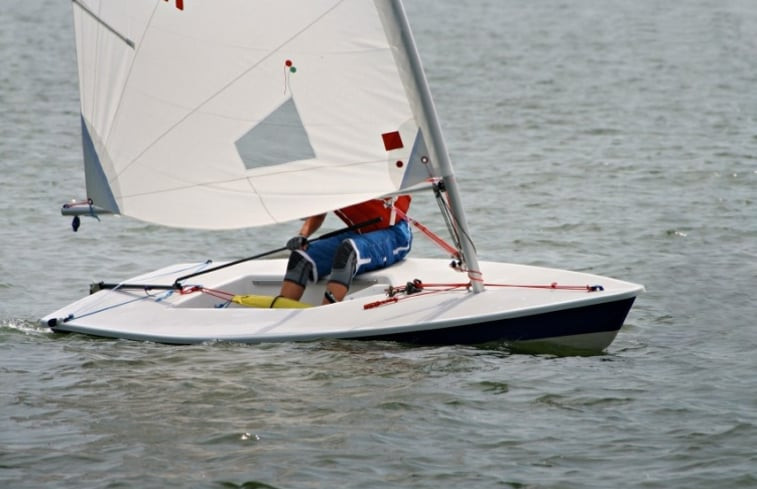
(311, 225)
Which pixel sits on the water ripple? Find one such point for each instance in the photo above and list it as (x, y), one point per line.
(615, 137)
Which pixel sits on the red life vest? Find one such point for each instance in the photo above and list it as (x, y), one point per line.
(371, 209)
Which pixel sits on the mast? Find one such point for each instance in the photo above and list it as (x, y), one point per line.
(439, 147)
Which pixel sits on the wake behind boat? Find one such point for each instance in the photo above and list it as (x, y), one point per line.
(236, 114)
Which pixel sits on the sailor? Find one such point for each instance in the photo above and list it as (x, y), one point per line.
(363, 249)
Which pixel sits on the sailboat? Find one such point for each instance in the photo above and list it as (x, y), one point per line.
(242, 113)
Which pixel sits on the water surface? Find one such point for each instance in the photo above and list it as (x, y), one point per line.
(613, 137)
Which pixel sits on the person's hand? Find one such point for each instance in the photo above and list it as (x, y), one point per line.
(299, 242)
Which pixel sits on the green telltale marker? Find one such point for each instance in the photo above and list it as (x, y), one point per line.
(292, 69)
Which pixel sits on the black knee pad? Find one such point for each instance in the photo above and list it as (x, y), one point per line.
(344, 265)
(300, 269)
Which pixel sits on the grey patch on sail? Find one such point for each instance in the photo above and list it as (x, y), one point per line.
(279, 138)
(417, 171)
(98, 189)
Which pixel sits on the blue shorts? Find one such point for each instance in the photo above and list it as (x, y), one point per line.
(375, 250)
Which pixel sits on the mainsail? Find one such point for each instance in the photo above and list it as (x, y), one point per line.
(237, 113)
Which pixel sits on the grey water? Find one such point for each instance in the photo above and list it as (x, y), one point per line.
(615, 137)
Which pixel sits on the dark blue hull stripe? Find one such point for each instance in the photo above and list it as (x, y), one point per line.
(596, 318)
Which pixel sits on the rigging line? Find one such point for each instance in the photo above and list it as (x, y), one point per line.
(442, 199)
(196, 268)
(99, 20)
(395, 299)
(447, 217)
(97, 311)
(125, 284)
(550, 286)
(218, 294)
(430, 234)
(452, 224)
(230, 83)
(420, 289)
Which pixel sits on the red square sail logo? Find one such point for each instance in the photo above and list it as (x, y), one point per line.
(179, 4)
(392, 140)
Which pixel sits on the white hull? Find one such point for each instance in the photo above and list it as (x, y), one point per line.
(520, 316)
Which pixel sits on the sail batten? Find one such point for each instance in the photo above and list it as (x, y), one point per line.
(107, 26)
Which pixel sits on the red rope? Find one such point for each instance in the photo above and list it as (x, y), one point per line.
(393, 300)
(417, 286)
(553, 285)
(475, 276)
(456, 285)
(219, 294)
(429, 233)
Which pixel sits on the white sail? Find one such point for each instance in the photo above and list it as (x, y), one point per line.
(235, 113)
